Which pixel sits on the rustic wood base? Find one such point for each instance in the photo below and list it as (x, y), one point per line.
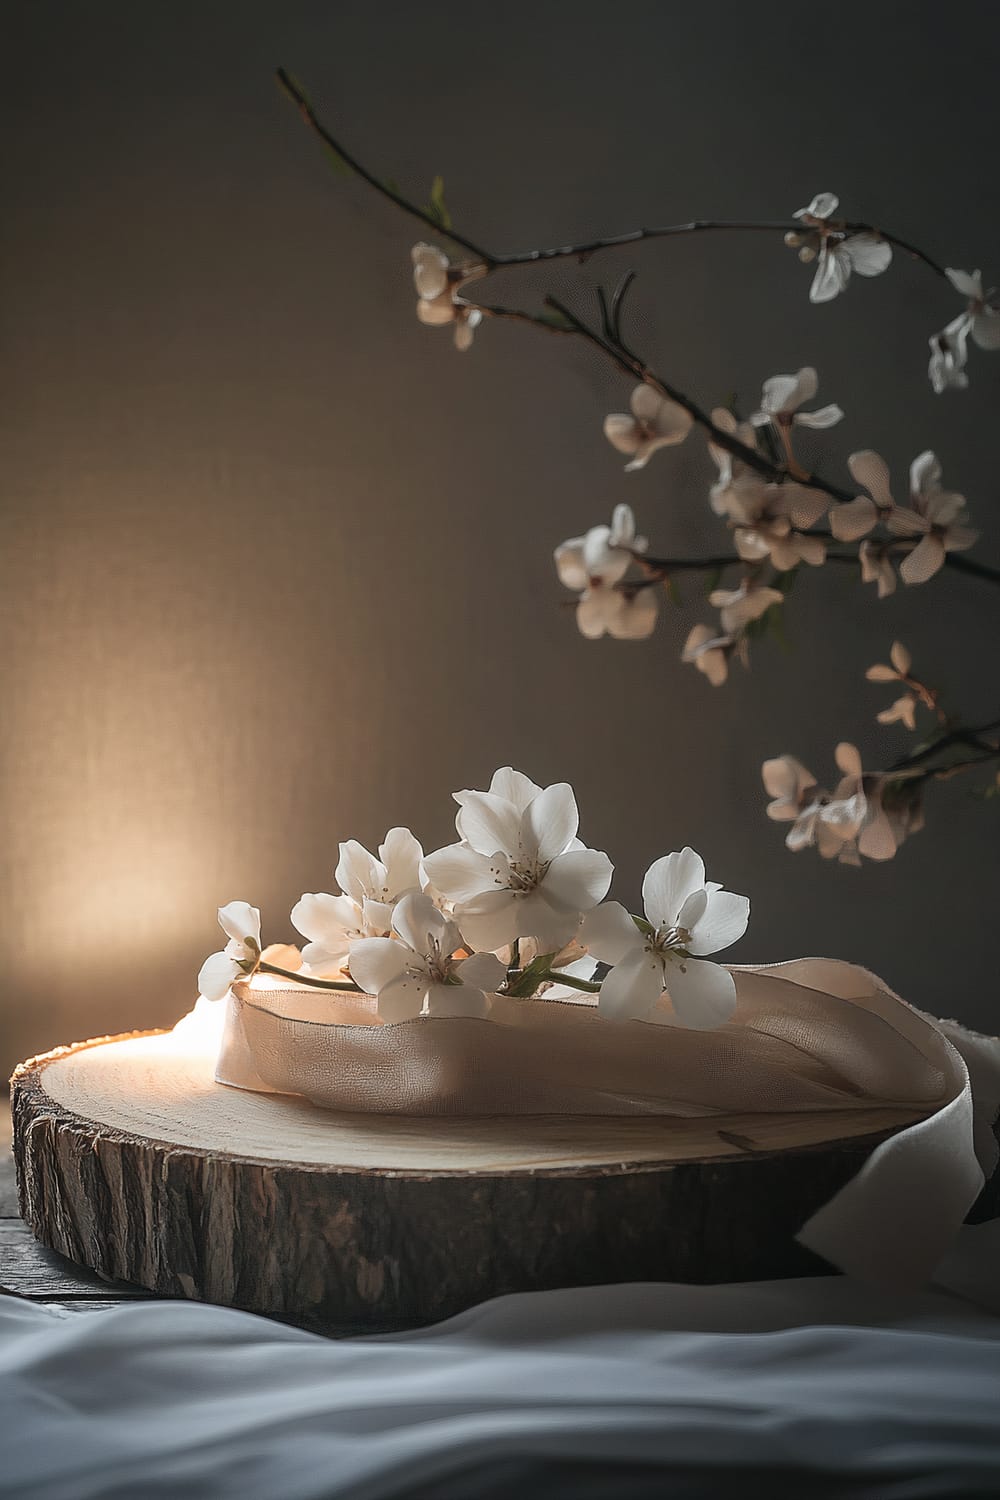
(132, 1161)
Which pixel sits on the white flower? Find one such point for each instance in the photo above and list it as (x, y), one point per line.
(949, 356)
(839, 253)
(784, 394)
(370, 888)
(689, 917)
(438, 284)
(655, 422)
(764, 518)
(982, 316)
(416, 970)
(520, 870)
(594, 565)
(876, 567)
(241, 955)
(737, 607)
(709, 653)
(949, 348)
(937, 516)
(797, 799)
(855, 518)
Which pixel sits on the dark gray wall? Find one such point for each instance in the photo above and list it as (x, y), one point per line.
(276, 560)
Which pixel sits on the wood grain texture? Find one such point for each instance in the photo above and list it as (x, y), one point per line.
(328, 1243)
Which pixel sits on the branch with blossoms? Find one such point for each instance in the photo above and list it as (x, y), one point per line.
(871, 813)
(516, 907)
(778, 511)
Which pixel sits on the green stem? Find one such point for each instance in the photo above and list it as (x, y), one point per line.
(316, 984)
(555, 977)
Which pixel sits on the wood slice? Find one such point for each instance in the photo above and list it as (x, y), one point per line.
(132, 1161)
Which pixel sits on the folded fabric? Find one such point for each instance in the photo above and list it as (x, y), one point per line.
(812, 1034)
(780, 1390)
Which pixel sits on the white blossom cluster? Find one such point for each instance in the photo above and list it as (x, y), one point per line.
(516, 905)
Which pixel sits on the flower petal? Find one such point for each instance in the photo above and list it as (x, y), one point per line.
(513, 786)
(633, 987)
(668, 883)
(430, 270)
(825, 416)
(359, 873)
(569, 563)
(490, 921)
(853, 519)
(239, 921)
(833, 271)
(636, 619)
(900, 658)
(986, 328)
(609, 933)
(483, 971)
(703, 994)
(622, 432)
(871, 470)
(460, 873)
(423, 927)
(218, 973)
(402, 998)
(924, 561)
(550, 821)
(869, 254)
(723, 923)
(401, 854)
(488, 823)
(376, 962)
(578, 879)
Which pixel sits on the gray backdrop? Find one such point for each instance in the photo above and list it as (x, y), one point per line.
(276, 559)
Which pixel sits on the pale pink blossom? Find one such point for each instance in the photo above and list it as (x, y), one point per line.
(935, 515)
(654, 422)
(738, 607)
(709, 652)
(857, 517)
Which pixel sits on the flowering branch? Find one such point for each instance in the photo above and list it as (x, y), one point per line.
(587, 248)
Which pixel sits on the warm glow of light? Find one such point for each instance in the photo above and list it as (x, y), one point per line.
(201, 1029)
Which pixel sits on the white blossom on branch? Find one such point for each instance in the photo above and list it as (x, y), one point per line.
(783, 395)
(593, 565)
(935, 515)
(836, 252)
(438, 285)
(654, 422)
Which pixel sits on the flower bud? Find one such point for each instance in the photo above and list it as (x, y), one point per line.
(807, 253)
(793, 239)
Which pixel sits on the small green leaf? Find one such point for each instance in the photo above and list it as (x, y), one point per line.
(553, 319)
(785, 582)
(336, 161)
(673, 592)
(437, 208)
